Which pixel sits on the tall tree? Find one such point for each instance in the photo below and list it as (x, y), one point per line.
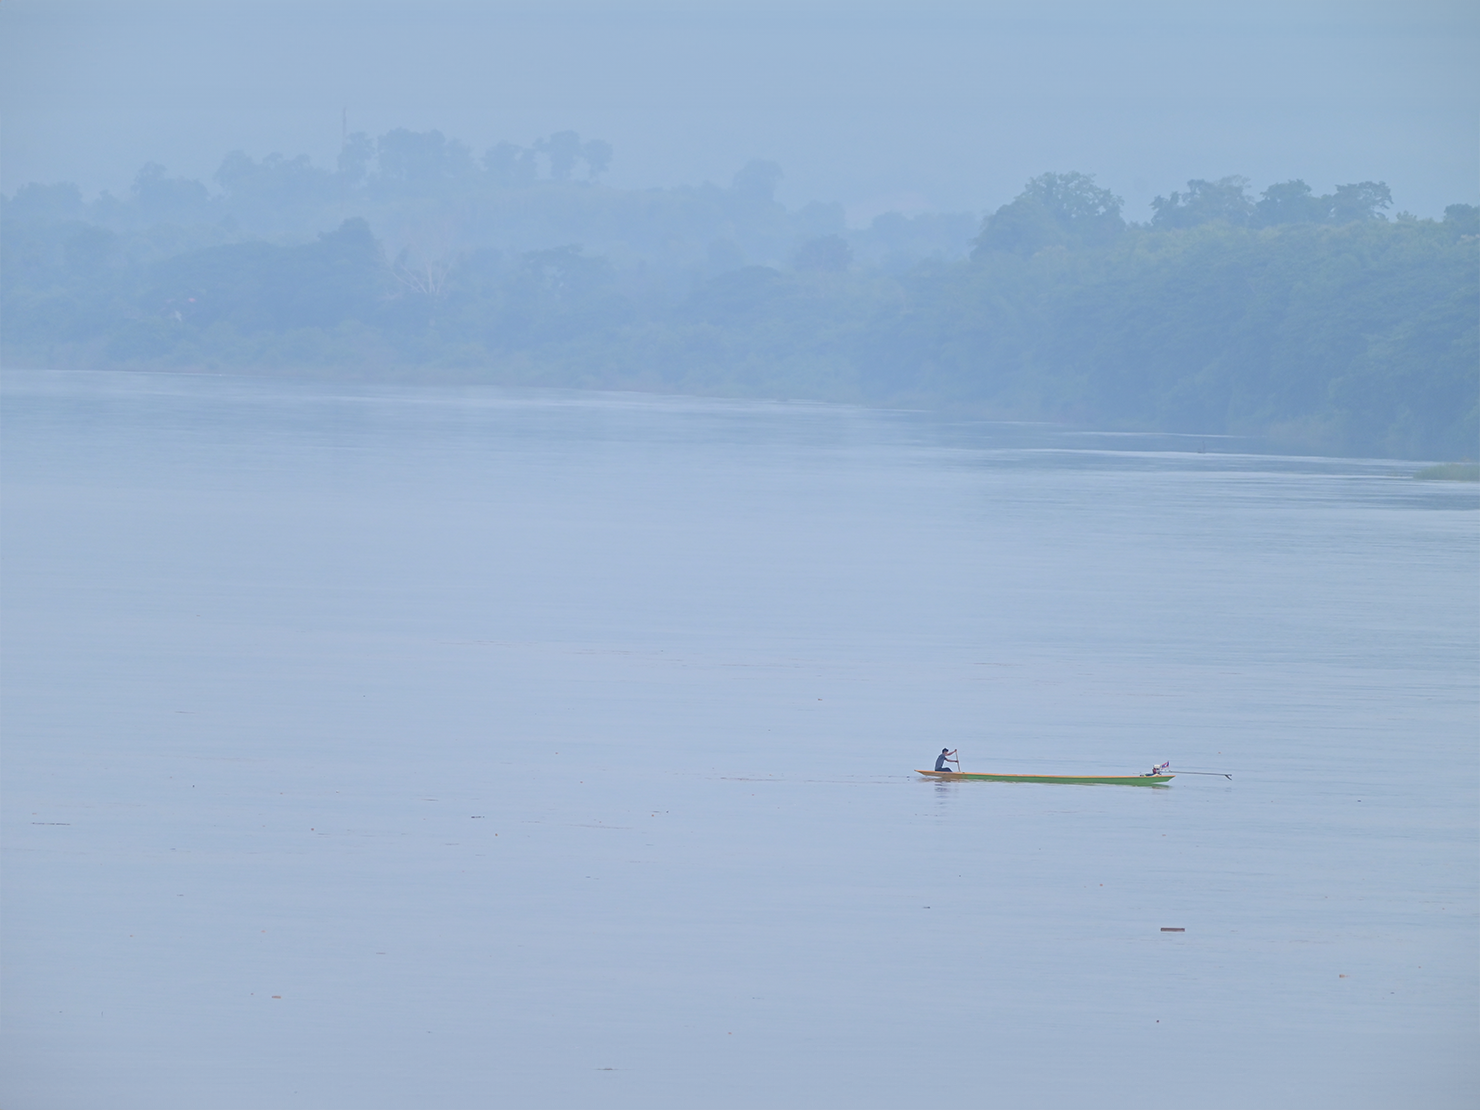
(1205, 201)
(1289, 202)
(419, 163)
(1054, 209)
(562, 149)
(1362, 201)
(172, 199)
(598, 156)
(756, 181)
(355, 157)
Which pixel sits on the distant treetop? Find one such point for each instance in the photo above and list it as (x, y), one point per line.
(1205, 201)
(1290, 202)
(1054, 209)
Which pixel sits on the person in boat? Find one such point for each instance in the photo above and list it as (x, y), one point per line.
(947, 755)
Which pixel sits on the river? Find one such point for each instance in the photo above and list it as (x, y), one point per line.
(395, 746)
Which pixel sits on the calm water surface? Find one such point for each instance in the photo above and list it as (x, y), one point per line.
(395, 747)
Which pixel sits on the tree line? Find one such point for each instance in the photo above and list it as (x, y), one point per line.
(1320, 322)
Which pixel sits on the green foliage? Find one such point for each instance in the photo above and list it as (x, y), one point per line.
(1359, 339)
(1055, 209)
(1462, 219)
(258, 287)
(1450, 472)
(1310, 320)
(829, 253)
(1205, 201)
(1290, 202)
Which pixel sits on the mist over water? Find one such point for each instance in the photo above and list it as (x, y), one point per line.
(384, 726)
(408, 746)
(1257, 221)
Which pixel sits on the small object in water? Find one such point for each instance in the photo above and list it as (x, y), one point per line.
(1165, 929)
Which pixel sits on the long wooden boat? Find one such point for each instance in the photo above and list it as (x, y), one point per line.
(1075, 780)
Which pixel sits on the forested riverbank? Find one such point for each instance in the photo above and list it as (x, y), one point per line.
(1321, 322)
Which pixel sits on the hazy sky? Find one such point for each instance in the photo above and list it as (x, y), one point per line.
(914, 105)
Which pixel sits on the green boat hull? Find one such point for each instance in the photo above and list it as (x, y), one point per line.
(1070, 780)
